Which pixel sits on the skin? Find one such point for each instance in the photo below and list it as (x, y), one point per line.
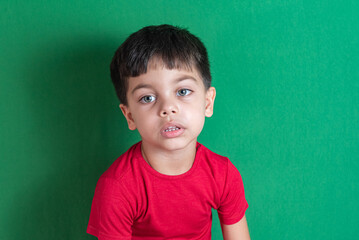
(236, 231)
(168, 108)
(163, 98)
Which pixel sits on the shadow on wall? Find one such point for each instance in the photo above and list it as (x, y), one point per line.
(76, 131)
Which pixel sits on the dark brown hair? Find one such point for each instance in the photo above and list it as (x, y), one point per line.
(174, 47)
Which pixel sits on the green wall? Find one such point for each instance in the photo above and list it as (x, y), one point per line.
(286, 112)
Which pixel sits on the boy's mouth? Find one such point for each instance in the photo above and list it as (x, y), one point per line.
(172, 128)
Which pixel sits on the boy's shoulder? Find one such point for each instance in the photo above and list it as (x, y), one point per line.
(212, 158)
(124, 165)
(211, 154)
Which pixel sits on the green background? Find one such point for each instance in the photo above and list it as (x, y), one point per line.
(286, 112)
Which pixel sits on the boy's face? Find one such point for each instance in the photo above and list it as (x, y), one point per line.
(168, 107)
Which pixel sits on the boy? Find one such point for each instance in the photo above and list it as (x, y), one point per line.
(165, 186)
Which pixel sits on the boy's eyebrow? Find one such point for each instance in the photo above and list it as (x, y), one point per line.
(181, 78)
(141, 85)
(185, 77)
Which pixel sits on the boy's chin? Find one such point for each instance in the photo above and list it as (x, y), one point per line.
(173, 144)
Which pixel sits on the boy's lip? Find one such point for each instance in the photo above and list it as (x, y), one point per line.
(172, 129)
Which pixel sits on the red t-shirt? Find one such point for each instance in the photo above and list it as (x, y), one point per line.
(134, 201)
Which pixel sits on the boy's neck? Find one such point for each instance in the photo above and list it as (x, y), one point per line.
(170, 162)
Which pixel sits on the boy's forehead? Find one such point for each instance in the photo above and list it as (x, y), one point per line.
(160, 75)
(158, 62)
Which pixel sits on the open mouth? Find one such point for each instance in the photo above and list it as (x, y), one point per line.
(170, 129)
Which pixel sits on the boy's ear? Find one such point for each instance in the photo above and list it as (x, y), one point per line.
(210, 96)
(126, 112)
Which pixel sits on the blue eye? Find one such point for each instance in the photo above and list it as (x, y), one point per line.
(183, 92)
(148, 99)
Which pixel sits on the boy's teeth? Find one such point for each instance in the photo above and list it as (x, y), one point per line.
(171, 129)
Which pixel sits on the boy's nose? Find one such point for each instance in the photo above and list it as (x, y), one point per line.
(168, 110)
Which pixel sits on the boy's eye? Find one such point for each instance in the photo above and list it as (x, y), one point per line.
(183, 92)
(148, 99)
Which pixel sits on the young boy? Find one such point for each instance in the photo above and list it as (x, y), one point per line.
(165, 186)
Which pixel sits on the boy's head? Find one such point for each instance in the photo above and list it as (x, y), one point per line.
(172, 47)
(161, 75)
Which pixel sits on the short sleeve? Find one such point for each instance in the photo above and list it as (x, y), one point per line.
(233, 203)
(111, 216)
